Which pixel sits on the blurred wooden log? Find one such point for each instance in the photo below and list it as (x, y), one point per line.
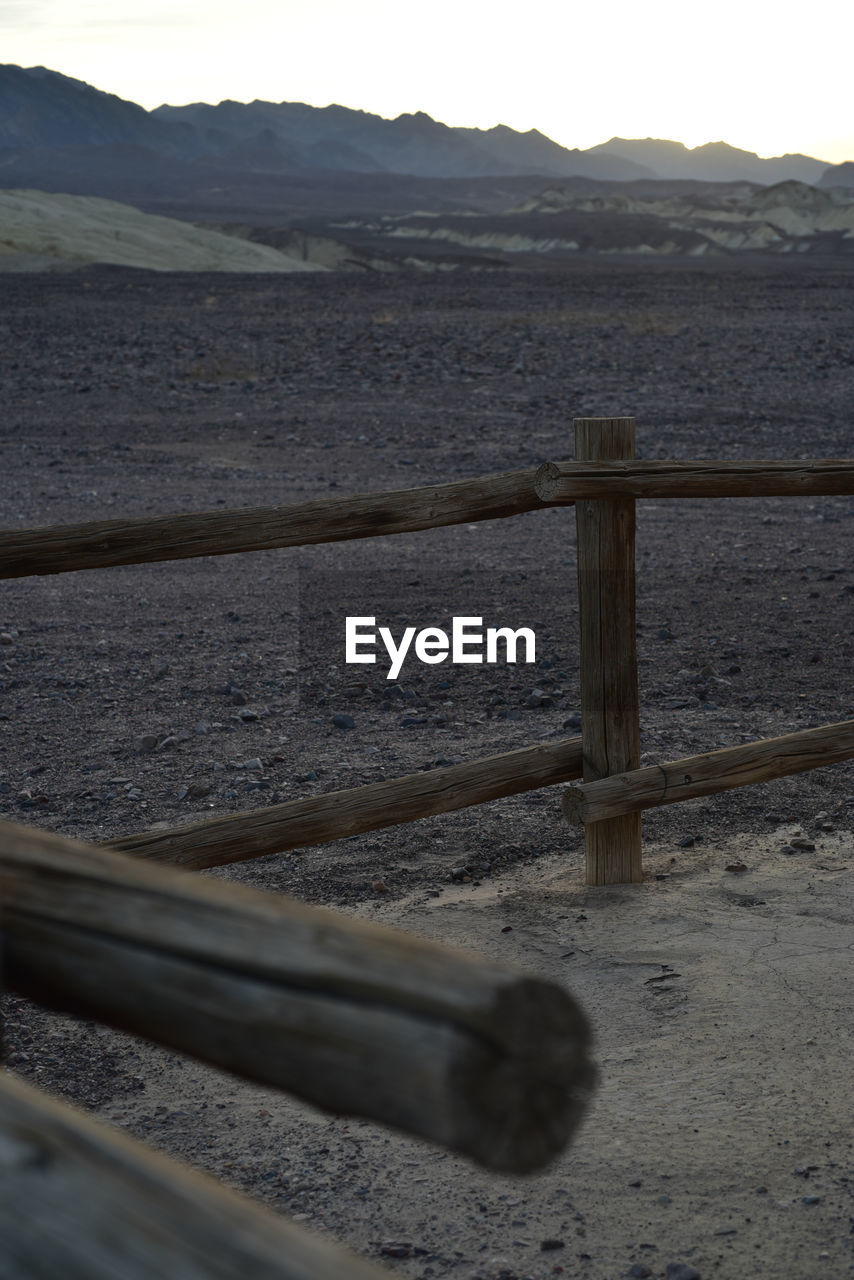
(704, 775)
(559, 482)
(610, 715)
(83, 1202)
(256, 832)
(101, 543)
(483, 1059)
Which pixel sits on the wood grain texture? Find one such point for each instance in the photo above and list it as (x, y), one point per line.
(559, 482)
(102, 543)
(257, 832)
(80, 1201)
(706, 774)
(481, 1058)
(610, 718)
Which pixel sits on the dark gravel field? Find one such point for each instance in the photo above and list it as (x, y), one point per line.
(169, 692)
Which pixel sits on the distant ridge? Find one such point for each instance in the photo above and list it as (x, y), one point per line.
(277, 161)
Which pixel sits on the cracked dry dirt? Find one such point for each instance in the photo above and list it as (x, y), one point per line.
(720, 1136)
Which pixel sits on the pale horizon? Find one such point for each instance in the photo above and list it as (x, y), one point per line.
(578, 77)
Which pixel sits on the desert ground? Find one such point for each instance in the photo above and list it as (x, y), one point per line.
(719, 1141)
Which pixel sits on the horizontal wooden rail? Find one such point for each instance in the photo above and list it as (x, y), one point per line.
(486, 1060)
(102, 543)
(256, 832)
(706, 774)
(82, 1201)
(567, 482)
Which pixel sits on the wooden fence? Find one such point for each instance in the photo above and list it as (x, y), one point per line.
(487, 1061)
(603, 482)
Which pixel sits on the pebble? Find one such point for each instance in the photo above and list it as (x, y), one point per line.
(247, 715)
(572, 722)
(548, 1246)
(379, 886)
(687, 842)
(637, 1271)
(681, 1271)
(147, 742)
(5, 638)
(738, 868)
(167, 742)
(342, 721)
(800, 843)
(202, 727)
(252, 766)
(777, 818)
(811, 1200)
(238, 697)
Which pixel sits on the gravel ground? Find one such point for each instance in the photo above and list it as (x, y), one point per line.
(168, 692)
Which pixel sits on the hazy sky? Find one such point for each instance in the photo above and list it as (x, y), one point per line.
(770, 77)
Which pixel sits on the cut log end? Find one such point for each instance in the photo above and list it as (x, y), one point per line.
(524, 1103)
(547, 481)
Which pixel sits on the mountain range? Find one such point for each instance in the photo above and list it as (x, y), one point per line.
(59, 133)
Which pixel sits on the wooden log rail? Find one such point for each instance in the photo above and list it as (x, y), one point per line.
(486, 1060)
(82, 1201)
(706, 774)
(100, 544)
(253, 833)
(567, 482)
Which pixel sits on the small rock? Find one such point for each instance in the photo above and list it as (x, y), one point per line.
(397, 1249)
(247, 716)
(252, 766)
(800, 843)
(198, 789)
(548, 1246)
(572, 722)
(681, 1271)
(379, 886)
(407, 722)
(342, 721)
(687, 842)
(238, 697)
(201, 727)
(167, 742)
(738, 868)
(5, 638)
(777, 818)
(811, 1200)
(148, 742)
(160, 668)
(637, 1271)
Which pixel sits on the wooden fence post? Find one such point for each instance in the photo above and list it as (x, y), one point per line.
(610, 721)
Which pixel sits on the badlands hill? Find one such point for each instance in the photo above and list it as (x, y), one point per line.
(583, 218)
(51, 232)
